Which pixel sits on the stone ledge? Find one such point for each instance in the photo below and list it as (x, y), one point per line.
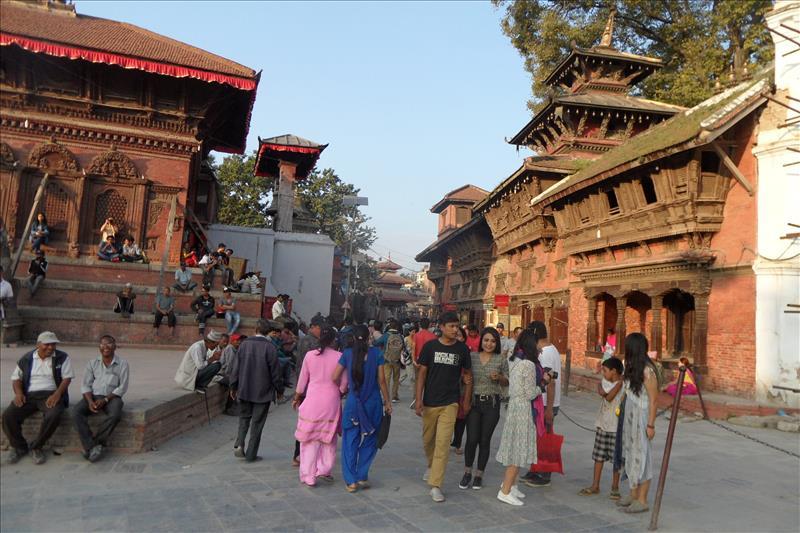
(141, 427)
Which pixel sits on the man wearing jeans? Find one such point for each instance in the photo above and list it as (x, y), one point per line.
(442, 363)
(104, 383)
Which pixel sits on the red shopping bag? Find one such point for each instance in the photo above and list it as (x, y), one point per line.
(548, 452)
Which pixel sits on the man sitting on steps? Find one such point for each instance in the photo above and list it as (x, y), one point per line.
(125, 299)
(41, 383)
(200, 363)
(104, 383)
(37, 271)
(183, 279)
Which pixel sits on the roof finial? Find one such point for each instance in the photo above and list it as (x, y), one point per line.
(608, 33)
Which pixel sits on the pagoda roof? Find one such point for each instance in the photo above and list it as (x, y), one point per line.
(604, 53)
(51, 27)
(57, 30)
(287, 147)
(474, 223)
(390, 294)
(388, 264)
(597, 100)
(466, 194)
(688, 129)
(390, 278)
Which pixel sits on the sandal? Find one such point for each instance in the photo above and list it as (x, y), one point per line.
(363, 484)
(614, 495)
(588, 491)
(624, 502)
(352, 488)
(636, 507)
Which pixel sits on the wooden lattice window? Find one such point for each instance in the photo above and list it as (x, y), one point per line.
(56, 209)
(111, 204)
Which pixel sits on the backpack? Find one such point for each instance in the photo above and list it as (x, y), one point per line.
(394, 348)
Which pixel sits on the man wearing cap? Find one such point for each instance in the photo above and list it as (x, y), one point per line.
(255, 383)
(40, 382)
(125, 299)
(200, 363)
(104, 383)
(37, 271)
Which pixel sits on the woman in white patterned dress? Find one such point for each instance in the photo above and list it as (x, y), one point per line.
(518, 442)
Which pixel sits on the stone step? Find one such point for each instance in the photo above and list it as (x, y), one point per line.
(102, 296)
(88, 325)
(141, 427)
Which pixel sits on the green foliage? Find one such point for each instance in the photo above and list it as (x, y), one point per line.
(321, 193)
(698, 40)
(243, 197)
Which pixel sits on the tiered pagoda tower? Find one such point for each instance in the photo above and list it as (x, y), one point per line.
(589, 108)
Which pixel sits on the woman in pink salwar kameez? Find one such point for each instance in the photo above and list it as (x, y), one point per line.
(318, 402)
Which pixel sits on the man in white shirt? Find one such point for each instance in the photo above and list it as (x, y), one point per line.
(6, 294)
(40, 381)
(278, 308)
(200, 363)
(550, 359)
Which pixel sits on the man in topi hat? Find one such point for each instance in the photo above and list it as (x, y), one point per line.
(40, 382)
(200, 363)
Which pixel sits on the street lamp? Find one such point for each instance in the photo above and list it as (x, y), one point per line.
(351, 201)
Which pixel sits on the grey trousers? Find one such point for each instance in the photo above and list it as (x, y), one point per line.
(252, 417)
(81, 414)
(33, 283)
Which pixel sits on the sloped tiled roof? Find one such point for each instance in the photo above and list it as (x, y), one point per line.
(697, 125)
(69, 28)
(464, 194)
(293, 140)
(388, 264)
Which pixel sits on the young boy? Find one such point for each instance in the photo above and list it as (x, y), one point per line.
(606, 423)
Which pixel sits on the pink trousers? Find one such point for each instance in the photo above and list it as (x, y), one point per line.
(316, 459)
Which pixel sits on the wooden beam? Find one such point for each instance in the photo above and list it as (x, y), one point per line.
(168, 241)
(27, 230)
(731, 166)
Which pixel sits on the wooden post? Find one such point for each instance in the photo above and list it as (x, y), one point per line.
(567, 372)
(31, 216)
(662, 478)
(165, 254)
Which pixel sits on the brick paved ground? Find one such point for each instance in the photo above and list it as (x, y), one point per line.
(718, 482)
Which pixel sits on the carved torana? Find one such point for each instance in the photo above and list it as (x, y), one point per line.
(53, 156)
(114, 164)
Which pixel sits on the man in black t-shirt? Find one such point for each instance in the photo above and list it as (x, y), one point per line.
(443, 364)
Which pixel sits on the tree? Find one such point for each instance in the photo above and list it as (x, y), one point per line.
(321, 193)
(243, 197)
(698, 40)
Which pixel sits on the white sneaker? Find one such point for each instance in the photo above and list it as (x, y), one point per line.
(426, 475)
(515, 491)
(509, 498)
(437, 496)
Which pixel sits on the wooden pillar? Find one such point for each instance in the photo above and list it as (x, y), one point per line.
(622, 304)
(655, 328)
(591, 330)
(700, 332)
(548, 314)
(75, 219)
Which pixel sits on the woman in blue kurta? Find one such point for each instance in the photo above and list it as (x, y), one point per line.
(367, 400)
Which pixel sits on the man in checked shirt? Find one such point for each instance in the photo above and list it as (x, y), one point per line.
(104, 383)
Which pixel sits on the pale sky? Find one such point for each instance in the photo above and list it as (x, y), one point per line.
(414, 98)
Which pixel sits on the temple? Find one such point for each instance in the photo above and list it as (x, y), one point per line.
(632, 216)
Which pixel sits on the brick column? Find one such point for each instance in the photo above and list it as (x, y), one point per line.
(655, 328)
(700, 334)
(622, 304)
(591, 330)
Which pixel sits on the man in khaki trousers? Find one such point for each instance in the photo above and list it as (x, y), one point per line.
(443, 364)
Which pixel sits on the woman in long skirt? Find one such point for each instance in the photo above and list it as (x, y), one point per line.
(367, 400)
(638, 430)
(318, 402)
(518, 443)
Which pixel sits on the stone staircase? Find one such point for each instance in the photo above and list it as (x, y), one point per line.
(77, 298)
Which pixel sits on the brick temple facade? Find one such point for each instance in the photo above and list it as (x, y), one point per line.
(633, 216)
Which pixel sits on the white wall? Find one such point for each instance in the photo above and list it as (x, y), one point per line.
(303, 268)
(254, 244)
(777, 270)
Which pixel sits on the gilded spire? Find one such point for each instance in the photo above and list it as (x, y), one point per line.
(608, 33)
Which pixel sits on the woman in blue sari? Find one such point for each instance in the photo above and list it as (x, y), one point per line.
(367, 400)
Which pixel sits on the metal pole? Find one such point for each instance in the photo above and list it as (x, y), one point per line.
(350, 268)
(27, 230)
(165, 254)
(567, 372)
(700, 396)
(662, 477)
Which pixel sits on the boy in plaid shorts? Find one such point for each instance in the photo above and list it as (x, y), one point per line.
(606, 423)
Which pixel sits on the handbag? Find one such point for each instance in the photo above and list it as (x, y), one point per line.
(383, 432)
(548, 452)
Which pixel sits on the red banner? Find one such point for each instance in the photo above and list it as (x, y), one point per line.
(501, 300)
